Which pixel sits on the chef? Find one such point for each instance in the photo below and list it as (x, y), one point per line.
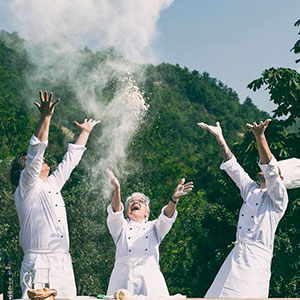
(246, 271)
(44, 235)
(137, 241)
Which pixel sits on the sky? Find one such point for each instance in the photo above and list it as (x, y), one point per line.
(232, 40)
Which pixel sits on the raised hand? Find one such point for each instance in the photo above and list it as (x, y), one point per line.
(87, 125)
(182, 189)
(259, 129)
(46, 106)
(215, 130)
(113, 180)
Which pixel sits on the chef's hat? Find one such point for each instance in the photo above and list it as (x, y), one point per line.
(290, 170)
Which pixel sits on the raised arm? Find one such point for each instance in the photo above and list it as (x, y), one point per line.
(181, 190)
(46, 108)
(268, 164)
(216, 131)
(38, 142)
(86, 128)
(73, 155)
(115, 218)
(116, 200)
(168, 213)
(230, 164)
(264, 151)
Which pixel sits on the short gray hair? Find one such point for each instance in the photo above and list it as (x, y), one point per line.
(138, 194)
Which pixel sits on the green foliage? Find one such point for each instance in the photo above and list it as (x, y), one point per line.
(283, 85)
(296, 48)
(168, 146)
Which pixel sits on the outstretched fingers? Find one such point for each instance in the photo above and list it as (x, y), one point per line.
(38, 105)
(42, 96)
(188, 187)
(203, 125)
(109, 173)
(56, 101)
(266, 122)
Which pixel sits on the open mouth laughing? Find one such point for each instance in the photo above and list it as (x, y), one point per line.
(135, 206)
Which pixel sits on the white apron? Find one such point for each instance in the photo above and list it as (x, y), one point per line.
(245, 273)
(138, 275)
(61, 275)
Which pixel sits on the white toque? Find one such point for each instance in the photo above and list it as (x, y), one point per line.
(290, 170)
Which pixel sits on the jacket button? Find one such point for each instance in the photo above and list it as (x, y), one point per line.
(129, 237)
(61, 236)
(240, 227)
(146, 249)
(146, 236)
(256, 203)
(55, 204)
(144, 228)
(129, 250)
(248, 229)
(252, 217)
(242, 215)
(130, 228)
(58, 220)
(56, 193)
(49, 192)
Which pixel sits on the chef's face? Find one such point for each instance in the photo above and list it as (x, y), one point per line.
(45, 170)
(137, 209)
(261, 178)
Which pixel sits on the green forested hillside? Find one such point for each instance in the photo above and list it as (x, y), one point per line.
(167, 147)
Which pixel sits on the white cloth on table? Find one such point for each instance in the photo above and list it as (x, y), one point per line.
(42, 215)
(246, 271)
(137, 254)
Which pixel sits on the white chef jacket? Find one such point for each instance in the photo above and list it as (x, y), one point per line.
(246, 271)
(137, 254)
(44, 235)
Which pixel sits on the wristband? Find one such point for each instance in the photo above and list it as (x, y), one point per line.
(175, 202)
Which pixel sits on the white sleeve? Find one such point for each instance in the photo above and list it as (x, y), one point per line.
(35, 157)
(275, 186)
(71, 159)
(238, 175)
(163, 224)
(115, 222)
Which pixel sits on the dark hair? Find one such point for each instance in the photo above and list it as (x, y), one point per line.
(17, 165)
